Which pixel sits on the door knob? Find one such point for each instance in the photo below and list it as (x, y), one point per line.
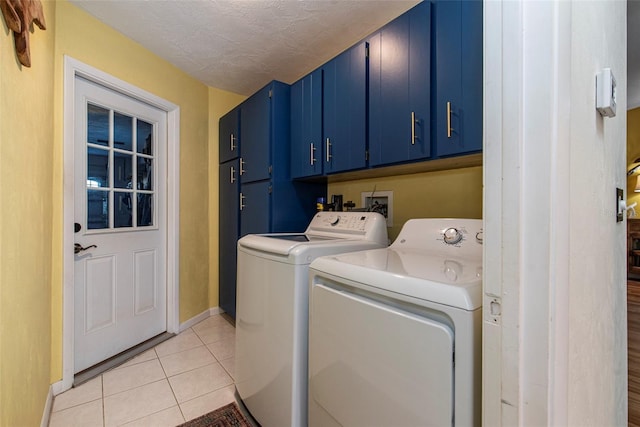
(77, 248)
(76, 227)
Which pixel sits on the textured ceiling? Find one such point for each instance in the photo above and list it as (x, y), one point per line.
(240, 45)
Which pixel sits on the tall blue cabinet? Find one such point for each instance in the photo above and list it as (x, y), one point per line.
(457, 80)
(400, 89)
(344, 110)
(306, 126)
(328, 116)
(257, 194)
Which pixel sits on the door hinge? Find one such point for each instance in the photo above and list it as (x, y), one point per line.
(270, 169)
(270, 93)
(366, 50)
(270, 189)
(366, 155)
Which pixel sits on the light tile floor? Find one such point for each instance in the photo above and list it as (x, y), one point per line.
(178, 380)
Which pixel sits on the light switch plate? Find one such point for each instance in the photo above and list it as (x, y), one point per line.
(606, 93)
(620, 205)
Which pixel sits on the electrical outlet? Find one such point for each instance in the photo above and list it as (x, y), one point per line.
(379, 201)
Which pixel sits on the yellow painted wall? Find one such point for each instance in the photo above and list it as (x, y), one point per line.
(633, 153)
(220, 102)
(82, 37)
(454, 193)
(26, 147)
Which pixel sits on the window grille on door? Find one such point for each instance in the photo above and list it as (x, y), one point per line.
(120, 174)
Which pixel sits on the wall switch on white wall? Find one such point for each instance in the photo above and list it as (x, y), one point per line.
(606, 93)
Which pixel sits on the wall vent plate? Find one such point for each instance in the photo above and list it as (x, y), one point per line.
(379, 201)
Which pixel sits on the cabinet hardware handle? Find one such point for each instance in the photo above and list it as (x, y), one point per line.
(233, 175)
(449, 129)
(413, 128)
(242, 197)
(329, 150)
(242, 171)
(233, 140)
(313, 158)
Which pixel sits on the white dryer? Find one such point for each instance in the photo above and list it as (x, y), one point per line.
(395, 333)
(273, 308)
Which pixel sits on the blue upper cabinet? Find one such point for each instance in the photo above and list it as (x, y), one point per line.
(458, 77)
(229, 133)
(306, 126)
(255, 158)
(344, 110)
(400, 89)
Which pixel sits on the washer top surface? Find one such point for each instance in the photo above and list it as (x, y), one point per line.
(360, 230)
(428, 261)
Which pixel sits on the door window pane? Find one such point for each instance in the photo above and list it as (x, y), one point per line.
(97, 125)
(97, 167)
(145, 210)
(122, 209)
(97, 209)
(122, 131)
(123, 170)
(144, 137)
(145, 174)
(119, 173)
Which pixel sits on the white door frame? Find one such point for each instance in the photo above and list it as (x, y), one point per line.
(73, 68)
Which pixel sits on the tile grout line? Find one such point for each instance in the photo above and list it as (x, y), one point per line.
(104, 410)
(171, 388)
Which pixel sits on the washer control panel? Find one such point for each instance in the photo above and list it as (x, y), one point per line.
(336, 221)
(349, 225)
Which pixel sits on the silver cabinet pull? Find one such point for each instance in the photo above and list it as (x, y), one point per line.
(233, 175)
(449, 128)
(413, 128)
(242, 205)
(328, 150)
(313, 157)
(242, 171)
(233, 142)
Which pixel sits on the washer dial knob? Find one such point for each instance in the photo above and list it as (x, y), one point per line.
(452, 236)
(333, 219)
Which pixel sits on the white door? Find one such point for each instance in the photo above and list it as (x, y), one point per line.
(120, 216)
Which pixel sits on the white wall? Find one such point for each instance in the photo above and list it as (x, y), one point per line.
(554, 255)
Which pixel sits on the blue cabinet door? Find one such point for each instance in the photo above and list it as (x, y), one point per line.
(400, 89)
(306, 126)
(255, 208)
(255, 158)
(229, 135)
(344, 110)
(458, 69)
(228, 234)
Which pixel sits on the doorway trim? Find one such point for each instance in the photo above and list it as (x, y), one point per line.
(72, 69)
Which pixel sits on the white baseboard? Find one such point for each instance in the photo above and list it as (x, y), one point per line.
(199, 318)
(60, 387)
(215, 310)
(46, 413)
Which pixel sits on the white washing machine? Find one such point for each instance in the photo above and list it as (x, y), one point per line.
(395, 333)
(272, 309)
